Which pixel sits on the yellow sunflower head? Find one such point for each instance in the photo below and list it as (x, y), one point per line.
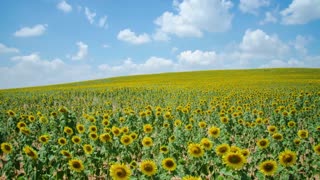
(202, 124)
(62, 141)
(317, 149)
(222, 149)
(277, 136)
(169, 164)
(76, 165)
(272, 129)
(76, 139)
(303, 134)
(177, 123)
(147, 128)
(287, 158)
(68, 130)
(93, 136)
(206, 143)
(134, 135)
(21, 124)
(297, 141)
(188, 127)
(88, 149)
(80, 128)
(120, 172)
(263, 143)
(164, 149)
(234, 160)
(105, 137)
(291, 124)
(6, 147)
(195, 150)
(115, 131)
(147, 142)
(44, 139)
(245, 152)
(126, 140)
(214, 132)
(105, 122)
(268, 167)
(93, 128)
(66, 153)
(191, 178)
(30, 152)
(148, 167)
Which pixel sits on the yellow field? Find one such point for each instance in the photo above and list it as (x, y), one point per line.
(228, 124)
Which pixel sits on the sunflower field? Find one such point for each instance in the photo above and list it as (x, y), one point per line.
(230, 124)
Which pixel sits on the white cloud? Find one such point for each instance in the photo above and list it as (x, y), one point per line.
(64, 6)
(193, 17)
(269, 18)
(300, 43)
(252, 6)
(259, 44)
(32, 70)
(151, 65)
(283, 63)
(90, 15)
(4, 49)
(198, 57)
(128, 36)
(103, 22)
(36, 30)
(301, 12)
(82, 52)
(105, 45)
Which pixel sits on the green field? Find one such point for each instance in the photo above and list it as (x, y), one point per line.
(223, 124)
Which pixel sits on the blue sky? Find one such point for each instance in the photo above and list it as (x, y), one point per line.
(55, 41)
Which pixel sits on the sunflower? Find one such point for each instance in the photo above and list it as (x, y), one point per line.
(122, 119)
(106, 129)
(245, 152)
(291, 124)
(188, 127)
(6, 147)
(76, 165)
(177, 122)
(234, 149)
(76, 139)
(214, 132)
(277, 136)
(164, 149)
(21, 124)
(224, 120)
(195, 150)
(134, 135)
(268, 167)
(206, 143)
(263, 143)
(93, 128)
(222, 149)
(80, 128)
(287, 158)
(30, 152)
(119, 172)
(172, 138)
(202, 124)
(318, 128)
(297, 141)
(31, 118)
(165, 125)
(105, 122)
(62, 141)
(126, 140)
(125, 130)
(115, 131)
(44, 139)
(303, 134)
(148, 167)
(11, 113)
(147, 141)
(43, 120)
(191, 178)
(93, 136)
(234, 160)
(105, 137)
(88, 149)
(25, 130)
(272, 129)
(147, 128)
(169, 164)
(317, 149)
(66, 153)
(68, 130)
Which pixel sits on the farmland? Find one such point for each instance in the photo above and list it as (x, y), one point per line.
(226, 124)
